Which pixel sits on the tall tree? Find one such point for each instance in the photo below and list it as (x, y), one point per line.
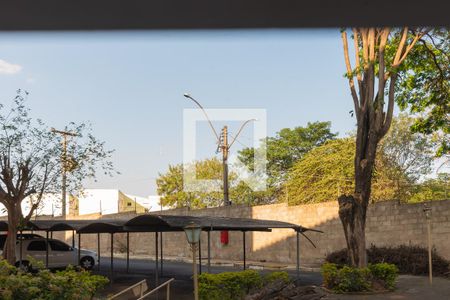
(30, 164)
(283, 150)
(380, 69)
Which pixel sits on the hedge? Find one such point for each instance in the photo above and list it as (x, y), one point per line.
(66, 284)
(235, 285)
(408, 259)
(345, 279)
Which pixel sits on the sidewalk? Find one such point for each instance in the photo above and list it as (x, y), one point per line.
(409, 288)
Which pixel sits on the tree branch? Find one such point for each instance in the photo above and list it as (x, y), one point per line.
(410, 46)
(390, 110)
(350, 74)
(357, 57)
(401, 45)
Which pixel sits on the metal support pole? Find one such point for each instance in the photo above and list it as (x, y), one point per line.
(51, 234)
(200, 254)
(98, 250)
(112, 256)
(73, 238)
(243, 240)
(209, 251)
(21, 250)
(79, 248)
(298, 255)
(225, 149)
(430, 260)
(156, 263)
(161, 250)
(46, 249)
(194, 269)
(128, 252)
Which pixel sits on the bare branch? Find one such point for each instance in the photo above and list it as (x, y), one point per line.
(371, 40)
(410, 46)
(384, 34)
(401, 45)
(433, 56)
(390, 110)
(365, 46)
(357, 58)
(350, 73)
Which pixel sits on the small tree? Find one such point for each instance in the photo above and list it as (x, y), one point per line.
(30, 164)
(170, 186)
(385, 60)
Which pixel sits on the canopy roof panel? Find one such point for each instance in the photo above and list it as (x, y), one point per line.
(158, 223)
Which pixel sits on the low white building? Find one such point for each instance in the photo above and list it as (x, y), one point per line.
(91, 201)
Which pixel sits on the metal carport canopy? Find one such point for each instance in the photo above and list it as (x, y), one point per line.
(81, 226)
(149, 223)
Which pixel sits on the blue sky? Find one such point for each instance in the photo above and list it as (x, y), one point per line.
(130, 86)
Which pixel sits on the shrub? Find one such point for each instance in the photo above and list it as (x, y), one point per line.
(385, 273)
(232, 285)
(408, 259)
(276, 276)
(66, 284)
(344, 279)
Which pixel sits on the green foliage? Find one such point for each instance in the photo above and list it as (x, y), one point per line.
(228, 285)
(276, 276)
(384, 272)
(407, 258)
(170, 186)
(345, 279)
(431, 189)
(66, 284)
(327, 171)
(407, 155)
(283, 150)
(423, 87)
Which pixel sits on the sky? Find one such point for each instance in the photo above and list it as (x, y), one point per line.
(129, 85)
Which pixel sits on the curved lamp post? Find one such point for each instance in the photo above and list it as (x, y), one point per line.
(193, 231)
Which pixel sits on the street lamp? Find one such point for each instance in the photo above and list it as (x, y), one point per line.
(427, 211)
(193, 231)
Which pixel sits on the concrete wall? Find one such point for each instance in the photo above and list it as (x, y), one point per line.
(388, 223)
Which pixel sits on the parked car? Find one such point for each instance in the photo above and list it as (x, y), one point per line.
(60, 255)
(19, 236)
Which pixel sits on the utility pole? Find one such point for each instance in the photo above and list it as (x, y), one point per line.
(64, 165)
(225, 149)
(222, 145)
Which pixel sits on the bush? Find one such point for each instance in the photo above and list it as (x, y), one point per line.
(67, 284)
(384, 273)
(276, 276)
(346, 279)
(235, 285)
(408, 259)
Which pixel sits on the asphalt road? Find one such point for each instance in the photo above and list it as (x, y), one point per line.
(182, 272)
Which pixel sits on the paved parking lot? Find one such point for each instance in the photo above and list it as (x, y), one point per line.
(182, 272)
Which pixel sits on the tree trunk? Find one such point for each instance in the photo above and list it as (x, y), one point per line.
(353, 208)
(10, 244)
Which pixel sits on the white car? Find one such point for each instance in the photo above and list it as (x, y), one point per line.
(60, 254)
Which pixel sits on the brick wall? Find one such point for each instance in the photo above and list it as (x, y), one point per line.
(388, 223)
